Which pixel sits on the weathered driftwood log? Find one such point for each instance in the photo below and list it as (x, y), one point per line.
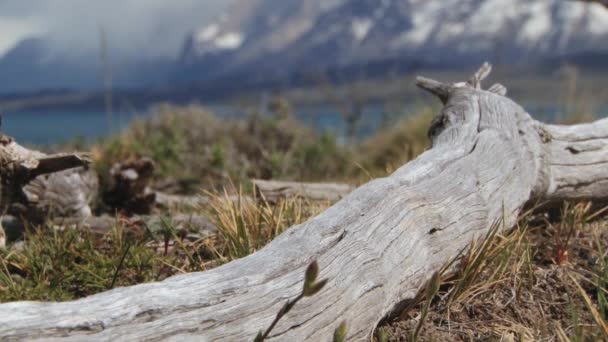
(67, 193)
(271, 191)
(19, 166)
(377, 246)
(164, 200)
(274, 190)
(29, 179)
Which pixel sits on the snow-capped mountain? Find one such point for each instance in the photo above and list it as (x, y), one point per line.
(262, 42)
(275, 36)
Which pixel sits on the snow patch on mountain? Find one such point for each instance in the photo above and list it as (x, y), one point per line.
(207, 34)
(361, 27)
(229, 41)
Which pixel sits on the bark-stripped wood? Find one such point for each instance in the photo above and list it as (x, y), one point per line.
(31, 180)
(275, 190)
(67, 193)
(377, 246)
(169, 201)
(271, 191)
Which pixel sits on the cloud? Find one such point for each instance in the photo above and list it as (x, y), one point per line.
(150, 28)
(13, 30)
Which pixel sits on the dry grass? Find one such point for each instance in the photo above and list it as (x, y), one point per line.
(248, 223)
(60, 264)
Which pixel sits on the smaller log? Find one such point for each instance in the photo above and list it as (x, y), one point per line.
(67, 193)
(169, 201)
(20, 166)
(275, 190)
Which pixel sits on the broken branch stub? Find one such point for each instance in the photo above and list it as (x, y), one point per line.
(19, 166)
(377, 246)
(33, 183)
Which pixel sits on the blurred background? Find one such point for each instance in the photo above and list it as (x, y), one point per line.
(190, 107)
(72, 70)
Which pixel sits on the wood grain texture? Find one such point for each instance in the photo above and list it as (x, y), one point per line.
(31, 182)
(67, 193)
(275, 190)
(377, 246)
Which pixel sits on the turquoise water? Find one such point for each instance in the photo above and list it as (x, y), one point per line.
(46, 128)
(41, 128)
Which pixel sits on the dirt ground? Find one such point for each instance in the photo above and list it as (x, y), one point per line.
(537, 299)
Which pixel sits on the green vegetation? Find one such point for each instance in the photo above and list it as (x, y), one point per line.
(311, 287)
(60, 264)
(192, 144)
(195, 149)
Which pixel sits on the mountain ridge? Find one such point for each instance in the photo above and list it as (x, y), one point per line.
(290, 42)
(347, 32)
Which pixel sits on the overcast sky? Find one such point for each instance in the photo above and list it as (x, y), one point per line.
(151, 27)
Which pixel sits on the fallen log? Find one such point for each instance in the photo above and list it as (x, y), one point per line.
(30, 181)
(67, 193)
(170, 201)
(275, 190)
(377, 246)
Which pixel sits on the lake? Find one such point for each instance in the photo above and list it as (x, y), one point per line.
(48, 128)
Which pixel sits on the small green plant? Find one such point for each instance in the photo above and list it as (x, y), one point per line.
(591, 307)
(340, 333)
(311, 287)
(601, 275)
(63, 264)
(382, 335)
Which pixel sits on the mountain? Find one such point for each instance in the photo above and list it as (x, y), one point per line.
(262, 43)
(31, 62)
(266, 39)
(35, 63)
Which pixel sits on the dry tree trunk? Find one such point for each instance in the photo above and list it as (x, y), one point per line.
(275, 190)
(377, 246)
(31, 181)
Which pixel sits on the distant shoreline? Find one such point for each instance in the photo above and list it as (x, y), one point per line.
(539, 88)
